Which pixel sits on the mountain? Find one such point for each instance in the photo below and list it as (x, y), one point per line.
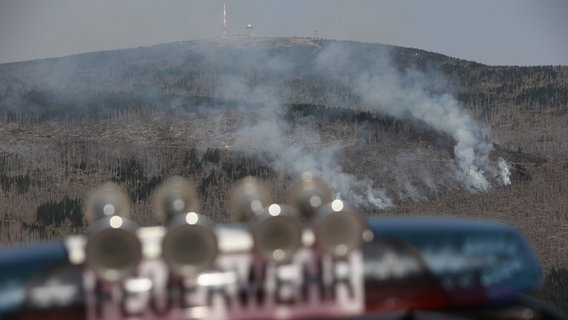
(394, 130)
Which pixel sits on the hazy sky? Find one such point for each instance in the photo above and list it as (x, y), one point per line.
(497, 32)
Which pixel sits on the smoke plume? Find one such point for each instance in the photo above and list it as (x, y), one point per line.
(380, 89)
(255, 81)
(410, 95)
(301, 149)
(263, 132)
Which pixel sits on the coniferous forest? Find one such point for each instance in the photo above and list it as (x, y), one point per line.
(384, 125)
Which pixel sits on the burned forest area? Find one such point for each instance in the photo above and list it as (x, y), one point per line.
(395, 131)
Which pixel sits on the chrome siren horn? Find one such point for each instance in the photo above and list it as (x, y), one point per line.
(175, 196)
(113, 250)
(248, 199)
(106, 201)
(338, 229)
(308, 194)
(190, 244)
(277, 233)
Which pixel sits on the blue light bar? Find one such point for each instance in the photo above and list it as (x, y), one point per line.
(474, 261)
(19, 265)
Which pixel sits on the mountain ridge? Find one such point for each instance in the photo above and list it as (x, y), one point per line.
(196, 109)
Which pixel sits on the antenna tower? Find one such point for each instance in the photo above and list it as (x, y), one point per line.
(224, 18)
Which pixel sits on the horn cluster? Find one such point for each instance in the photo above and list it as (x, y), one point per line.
(189, 245)
(190, 241)
(113, 249)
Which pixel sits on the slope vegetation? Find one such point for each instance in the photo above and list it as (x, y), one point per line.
(394, 130)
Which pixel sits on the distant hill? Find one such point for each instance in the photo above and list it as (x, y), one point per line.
(395, 130)
(520, 104)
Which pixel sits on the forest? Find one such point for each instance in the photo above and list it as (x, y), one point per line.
(216, 111)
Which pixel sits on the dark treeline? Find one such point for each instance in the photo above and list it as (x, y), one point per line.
(555, 289)
(56, 213)
(129, 173)
(186, 75)
(42, 105)
(18, 183)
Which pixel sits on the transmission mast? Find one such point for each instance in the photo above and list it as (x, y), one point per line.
(224, 18)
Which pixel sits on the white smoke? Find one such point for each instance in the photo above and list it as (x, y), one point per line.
(504, 171)
(299, 149)
(380, 89)
(263, 132)
(386, 91)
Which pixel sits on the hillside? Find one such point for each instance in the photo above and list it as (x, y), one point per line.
(395, 131)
